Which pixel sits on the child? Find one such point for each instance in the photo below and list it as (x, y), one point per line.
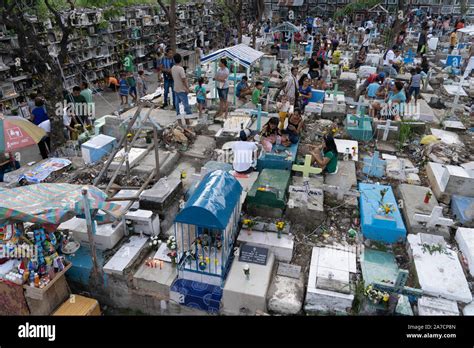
(283, 106)
(243, 89)
(123, 89)
(257, 97)
(270, 134)
(200, 91)
(373, 88)
(415, 83)
(132, 83)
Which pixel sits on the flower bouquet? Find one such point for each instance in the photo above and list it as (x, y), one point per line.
(248, 223)
(280, 225)
(172, 247)
(154, 242)
(376, 296)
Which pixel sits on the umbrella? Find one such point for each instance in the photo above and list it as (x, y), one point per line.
(17, 132)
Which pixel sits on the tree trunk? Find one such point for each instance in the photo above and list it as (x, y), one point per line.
(172, 24)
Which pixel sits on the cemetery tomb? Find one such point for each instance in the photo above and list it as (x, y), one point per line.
(96, 148)
(469, 309)
(329, 284)
(143, 222)
(126, 255)
(106, 235)
(281, 157)
(267, 197)
(206, 227)
(281, 247)
(373, 59)
(285, 295)
(244, 295)
(402, 169)
(82, 264)
(446, 136)
(380, 216)
(454, 90)
(333, 110)
(214, 165)
(126, 194)
(430, 306)
(420, 112)
(359, 127)
(347, 83)
(413, 198)
(384, 130)
(135, 155)
(446, 180)
(305, 204)
(161, 195)
(439, 271)
(155, 280)
(463, 210)
(365, 71)
(465, 240)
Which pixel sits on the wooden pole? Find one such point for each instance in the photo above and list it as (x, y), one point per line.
(157, 155)
(90, 234)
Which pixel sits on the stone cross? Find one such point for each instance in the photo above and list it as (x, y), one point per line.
(335, 92)
(386, 128)
(259, 114)
(306, 169)
(435, 218)
(404, 169)
(399, 286)
(374, 166)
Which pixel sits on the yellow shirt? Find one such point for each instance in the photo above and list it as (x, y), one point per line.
(453, 39)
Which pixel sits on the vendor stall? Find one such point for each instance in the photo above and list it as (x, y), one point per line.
(240, 55)
(32, 251)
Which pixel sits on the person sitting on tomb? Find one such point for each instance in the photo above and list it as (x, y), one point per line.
(393, 105)
(320, 84)
(373, 88)
(325, 155)
(304, 91)
(245, 153)
(295, 126)
(361, 57)
(8, 163)
(390, 61)
(370, 79)
(270, 134)
(243, 89)
(257, 97)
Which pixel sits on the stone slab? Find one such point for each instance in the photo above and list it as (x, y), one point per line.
(135, 155)
(446, 137)
(156, 281)
(282, 247)
(126, 255)
(454, 125)
(430, 306)
(306, 208)
(439, 274)
(413, 203)
(126, 194)
(345, 176)
(247, 296)
(161, 195)
(167, 161)
(465, 240)
(403, 306)
(469, 309)
(332, 111)
(421, 112)
(287, 270)
(460, 182)
(106, 237)
(202, 145)
(463, 209)
(285, 295)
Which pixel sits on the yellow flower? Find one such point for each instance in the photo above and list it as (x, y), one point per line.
(280, 225)
(334, 130)
(247, 221)
(261, 189)
(386, 297)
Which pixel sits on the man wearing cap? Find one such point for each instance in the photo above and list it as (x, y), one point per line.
(371, 78)
(245, 153)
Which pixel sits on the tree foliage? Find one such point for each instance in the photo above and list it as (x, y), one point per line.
(355, 6)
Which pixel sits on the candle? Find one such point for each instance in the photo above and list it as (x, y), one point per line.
(161, 264)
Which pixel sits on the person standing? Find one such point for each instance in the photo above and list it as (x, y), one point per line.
(181, 88)
(221, 77)
(132, 83)
(453, 41)
(86, 92)
(291, 88)
(366, 40)
(40, 118)
(166, 65)
(422, 41)
(141, 84)
(124, 89)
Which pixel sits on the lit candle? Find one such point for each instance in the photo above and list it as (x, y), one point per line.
(161, 264)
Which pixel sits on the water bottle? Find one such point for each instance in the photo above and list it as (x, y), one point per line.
(346, 155)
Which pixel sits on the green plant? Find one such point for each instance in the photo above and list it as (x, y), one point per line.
(405, 133)
(434, 248)
(359, 296)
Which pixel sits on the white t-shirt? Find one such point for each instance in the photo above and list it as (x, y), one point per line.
(243, 155)
(369, 25)
(66, 118)
(366, 40)
(390, 56)
(46, 126)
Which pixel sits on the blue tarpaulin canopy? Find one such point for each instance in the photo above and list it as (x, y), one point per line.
(213, 201)
(241, 53)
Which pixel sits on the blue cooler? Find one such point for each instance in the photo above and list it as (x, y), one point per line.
(317, 96)
(97, 147)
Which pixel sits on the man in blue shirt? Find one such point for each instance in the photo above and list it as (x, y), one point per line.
(243, 89)
(166, 64)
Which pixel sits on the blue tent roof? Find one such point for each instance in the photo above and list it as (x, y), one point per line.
(241, 53)
(213, 201)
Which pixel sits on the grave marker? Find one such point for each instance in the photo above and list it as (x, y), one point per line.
(386, 128)
(287, 270)
(435, 218)
(306, 169)
(253, 254)
(374, 166)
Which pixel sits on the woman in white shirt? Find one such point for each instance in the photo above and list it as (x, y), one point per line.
(221, 77)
